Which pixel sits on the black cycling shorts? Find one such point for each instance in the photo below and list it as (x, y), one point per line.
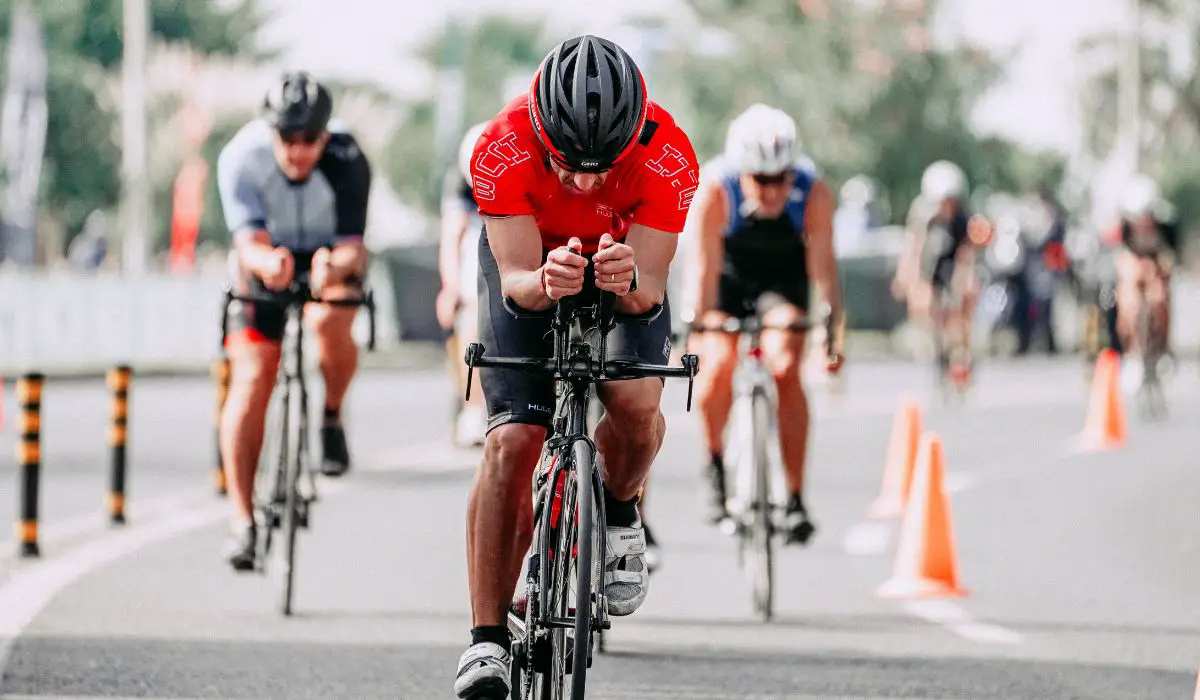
(740, 299)
(516, 397)
(260, 322)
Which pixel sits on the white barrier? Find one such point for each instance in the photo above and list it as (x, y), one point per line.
(69, 322)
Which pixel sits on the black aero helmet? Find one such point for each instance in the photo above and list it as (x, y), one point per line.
(297, 102)
(588, 103)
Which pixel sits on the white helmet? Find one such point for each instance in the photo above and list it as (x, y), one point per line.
(1139, 197)
(762, 140)
(858, 191)
(467, 147)
(943, 179)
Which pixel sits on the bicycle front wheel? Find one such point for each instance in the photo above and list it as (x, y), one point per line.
(761, 567)
(586, 574)
(290, 521)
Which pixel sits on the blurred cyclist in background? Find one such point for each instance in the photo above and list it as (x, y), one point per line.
(294, 193)
(763, 224)
(458, 264)
(936, 272)
(1145, 257)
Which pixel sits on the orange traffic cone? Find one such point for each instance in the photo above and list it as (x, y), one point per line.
(926, 563)
(901, 457)
(1104, 427)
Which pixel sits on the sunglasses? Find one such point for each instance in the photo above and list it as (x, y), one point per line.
(767, 180)
(293, 138)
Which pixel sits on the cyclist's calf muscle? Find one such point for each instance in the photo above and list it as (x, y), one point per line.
(500, 518)
(253, 366)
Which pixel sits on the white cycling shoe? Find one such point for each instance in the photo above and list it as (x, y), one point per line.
(626, 576)
(483, 672)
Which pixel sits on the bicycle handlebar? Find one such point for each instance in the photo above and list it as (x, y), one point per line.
(298, 295)
(585, 368)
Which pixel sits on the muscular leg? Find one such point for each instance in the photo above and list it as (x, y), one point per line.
(253, 366)
(500, 519)
(337, 354)
(714, 397)
(630, 434)
(782, 353)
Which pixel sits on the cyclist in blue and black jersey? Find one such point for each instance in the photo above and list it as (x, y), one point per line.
(763, 225)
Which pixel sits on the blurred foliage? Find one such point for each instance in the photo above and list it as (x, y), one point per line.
(81, 168)
(491, 50)
(1170, 100)
(869, 92)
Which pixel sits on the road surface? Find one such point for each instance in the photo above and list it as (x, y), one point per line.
(1081, 568)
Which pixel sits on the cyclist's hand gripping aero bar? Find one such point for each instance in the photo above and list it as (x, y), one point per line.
(297, 294)
(582, 366)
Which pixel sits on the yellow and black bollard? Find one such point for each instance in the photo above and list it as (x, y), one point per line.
(118, 383)
(221, 374)
(29, 457)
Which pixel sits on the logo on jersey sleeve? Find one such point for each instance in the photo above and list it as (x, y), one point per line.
(500, 155)
(672, 164)
(494, 161)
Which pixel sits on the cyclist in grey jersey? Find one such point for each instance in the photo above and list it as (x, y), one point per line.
(294, 193)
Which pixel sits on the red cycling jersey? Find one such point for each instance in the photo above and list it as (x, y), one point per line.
(653, 185)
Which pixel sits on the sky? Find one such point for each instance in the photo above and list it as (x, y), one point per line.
(1035, 105)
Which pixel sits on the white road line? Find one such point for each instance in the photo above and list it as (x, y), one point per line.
(34, 584)
(71, 528)
(957, 620)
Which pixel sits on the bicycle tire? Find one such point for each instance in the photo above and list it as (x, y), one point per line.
(585, 567)
(761, 527)
(291, 502)
(271, 475)
(550, 668)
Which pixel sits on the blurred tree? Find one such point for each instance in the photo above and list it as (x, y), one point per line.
(1169, 99)
(497, 48)
(869, 92)
(84, 46)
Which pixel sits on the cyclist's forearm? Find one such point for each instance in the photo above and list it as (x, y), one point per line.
(525, 288)
(705, 295)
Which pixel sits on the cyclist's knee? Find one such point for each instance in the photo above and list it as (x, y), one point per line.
(784, 364)
(253, 368)
(634, 403)
(511, 450)
(331, 322)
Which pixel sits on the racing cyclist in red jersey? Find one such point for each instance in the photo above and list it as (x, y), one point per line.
(584, 185)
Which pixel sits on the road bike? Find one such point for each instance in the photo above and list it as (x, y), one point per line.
(757, 502)
(563, 606)
(285, 487)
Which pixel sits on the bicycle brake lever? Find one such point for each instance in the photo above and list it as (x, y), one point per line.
(474, 352)
(691, 362)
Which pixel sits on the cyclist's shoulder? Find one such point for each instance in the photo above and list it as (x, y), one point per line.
(662, 134)
(342, 146)
(250, 150)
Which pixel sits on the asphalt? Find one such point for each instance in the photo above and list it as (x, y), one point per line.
(1080, 567)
